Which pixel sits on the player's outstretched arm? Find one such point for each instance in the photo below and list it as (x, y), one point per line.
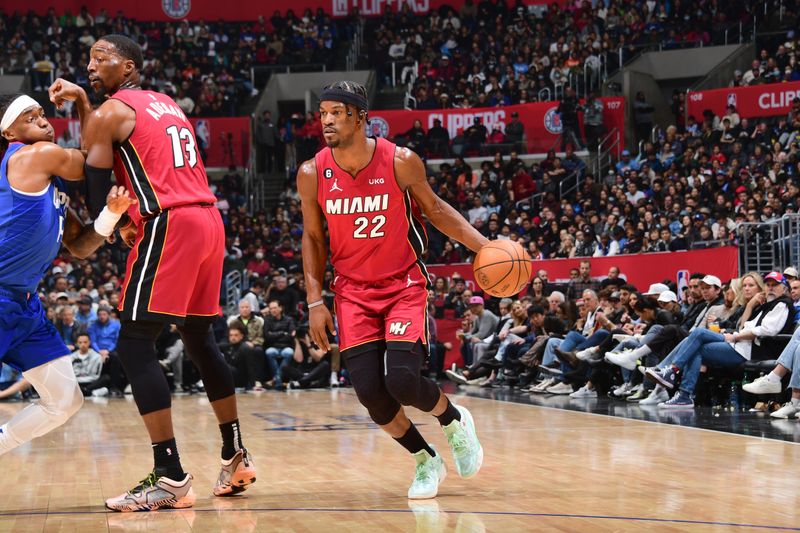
(82, 241)
(53, 160)
(315, 253)
(411, 176)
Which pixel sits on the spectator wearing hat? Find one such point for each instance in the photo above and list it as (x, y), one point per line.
(438, 140)
(626, 163)
(483, 326)
(86, 315)
(766, 315)
(515, 133)
(704, 290)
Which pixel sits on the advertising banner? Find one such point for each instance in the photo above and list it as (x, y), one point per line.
(640, 269)
(542, 123)
(211, 10)
(224, 141)
(756, 101)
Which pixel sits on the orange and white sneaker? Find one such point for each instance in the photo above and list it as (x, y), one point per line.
(236, 475)
(153, 493)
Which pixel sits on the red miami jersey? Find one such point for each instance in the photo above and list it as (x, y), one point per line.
(376, 230)
(160, 162)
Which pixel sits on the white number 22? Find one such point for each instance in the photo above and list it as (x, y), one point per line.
(361, 225)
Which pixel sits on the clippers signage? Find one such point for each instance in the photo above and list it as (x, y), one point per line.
(211, 9)
(223, 141)
(757, 101)
(542, 123)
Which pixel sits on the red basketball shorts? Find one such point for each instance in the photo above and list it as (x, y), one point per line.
(390, 312)
(175, 266)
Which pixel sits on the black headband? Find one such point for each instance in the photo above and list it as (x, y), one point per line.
(346, 97)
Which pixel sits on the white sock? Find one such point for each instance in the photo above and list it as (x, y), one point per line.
(772, 377)
(642, 351)
(796, 402)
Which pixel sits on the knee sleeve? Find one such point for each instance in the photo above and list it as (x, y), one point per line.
(58, 389)
(404, 379)
(366, 375)
(137, 353)
(202, 349)
(60, 397)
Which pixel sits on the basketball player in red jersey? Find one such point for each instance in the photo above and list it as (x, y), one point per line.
(174, 270)
(370, 192)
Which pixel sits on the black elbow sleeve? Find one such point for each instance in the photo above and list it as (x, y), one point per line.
(98, 183)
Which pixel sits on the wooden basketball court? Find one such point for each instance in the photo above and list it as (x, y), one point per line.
(323, 466)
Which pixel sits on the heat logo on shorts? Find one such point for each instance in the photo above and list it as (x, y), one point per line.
(398, 328)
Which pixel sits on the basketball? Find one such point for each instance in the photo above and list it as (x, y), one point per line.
(502, 268)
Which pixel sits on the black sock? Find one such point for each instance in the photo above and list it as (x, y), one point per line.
(413, 441)
(231, 439)
(167, 461)
(450, 414)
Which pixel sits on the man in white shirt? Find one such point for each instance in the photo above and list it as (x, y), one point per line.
(88, 367)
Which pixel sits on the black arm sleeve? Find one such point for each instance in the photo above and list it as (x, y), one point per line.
(98, 183)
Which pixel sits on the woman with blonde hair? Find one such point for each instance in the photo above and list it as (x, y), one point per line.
(739, 292)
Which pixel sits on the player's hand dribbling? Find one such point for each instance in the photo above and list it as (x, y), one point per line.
(320, 322)
(62, 91)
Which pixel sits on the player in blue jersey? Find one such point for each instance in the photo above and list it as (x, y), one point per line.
(34, 220)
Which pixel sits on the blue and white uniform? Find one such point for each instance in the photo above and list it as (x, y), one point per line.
(31, 229)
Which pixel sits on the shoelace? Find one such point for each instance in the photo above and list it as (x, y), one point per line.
(149, 481)
(458, 441)
(422, 473)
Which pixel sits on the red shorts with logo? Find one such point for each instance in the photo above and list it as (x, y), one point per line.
(390, 312)
(175, 266)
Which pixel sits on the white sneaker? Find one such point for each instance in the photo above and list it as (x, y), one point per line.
(587, 354)
(621, 337)
(625, 389)
(559, 388)
(657, 395)
(763, 386)
(334, 382)
(455, 377)
(429, 473)
(542, 387)
(787, 411)
(625, 359)
(584, 392)
(99, 393)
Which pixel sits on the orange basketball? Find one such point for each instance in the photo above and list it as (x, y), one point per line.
(502, 268)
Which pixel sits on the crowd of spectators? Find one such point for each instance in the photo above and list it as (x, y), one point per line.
(204, 65)
(490, 53)
(590, 335)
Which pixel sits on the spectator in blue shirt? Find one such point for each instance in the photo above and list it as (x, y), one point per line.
(104, 332)
(85, 315)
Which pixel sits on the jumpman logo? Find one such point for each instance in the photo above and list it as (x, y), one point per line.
(335, 186)
(409, 282)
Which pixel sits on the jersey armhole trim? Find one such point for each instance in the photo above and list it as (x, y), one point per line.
(31, 194)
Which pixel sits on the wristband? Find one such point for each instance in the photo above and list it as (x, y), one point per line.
(312, 305)
(105, 222)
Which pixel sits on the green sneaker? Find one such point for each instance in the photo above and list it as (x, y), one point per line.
(429, 473)
(467, 451)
